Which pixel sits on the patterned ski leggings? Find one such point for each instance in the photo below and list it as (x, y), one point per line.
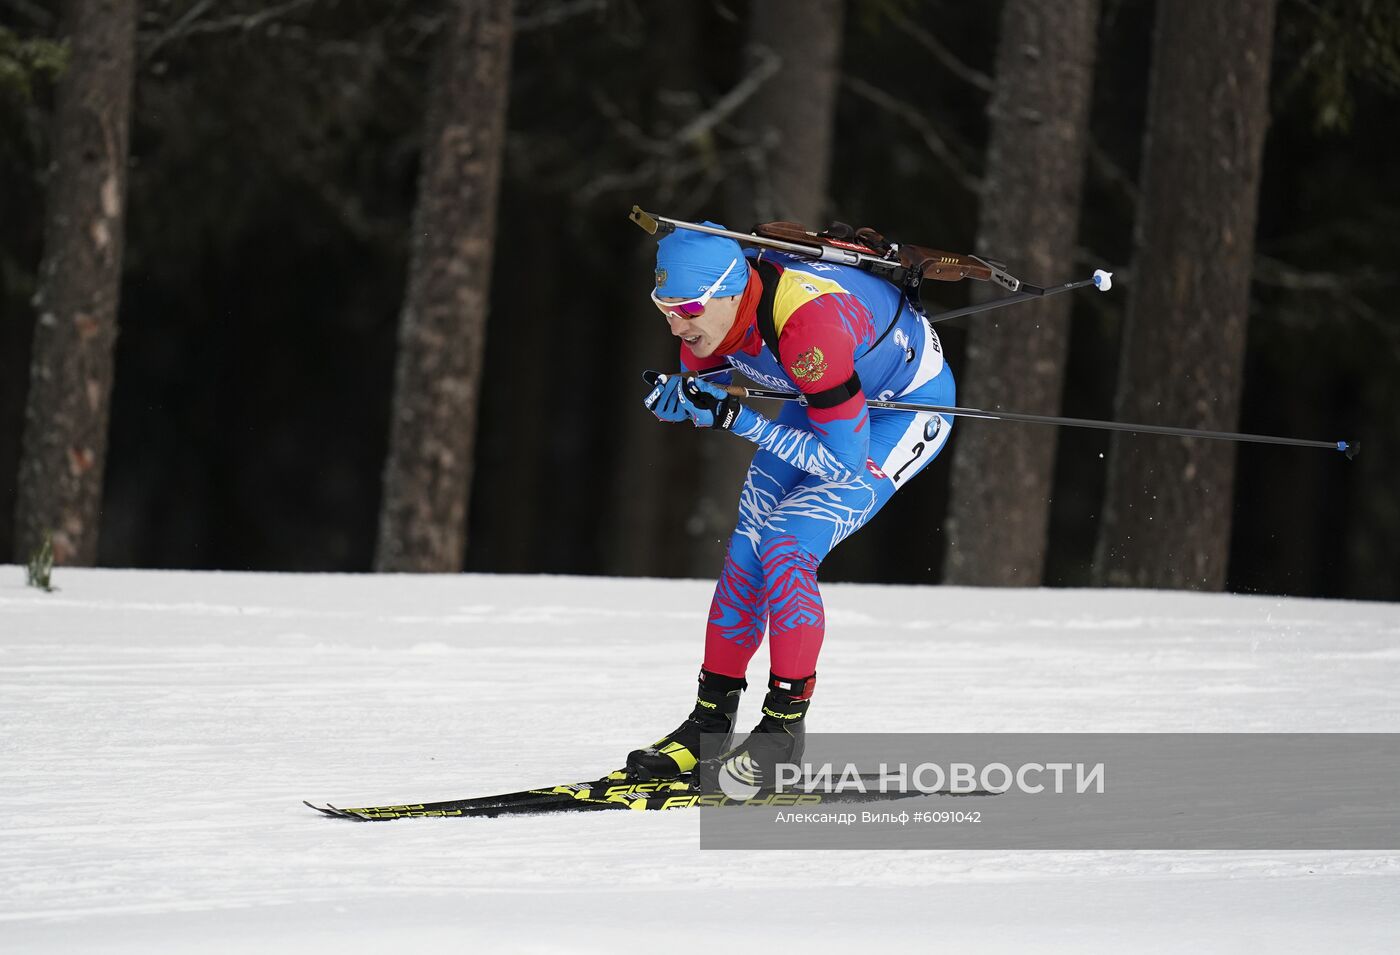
(790, 520)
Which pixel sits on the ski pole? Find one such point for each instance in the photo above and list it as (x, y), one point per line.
(1103, 281)
(1350, 448)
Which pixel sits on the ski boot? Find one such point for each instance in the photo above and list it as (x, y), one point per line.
(710, 726)
(777, 739)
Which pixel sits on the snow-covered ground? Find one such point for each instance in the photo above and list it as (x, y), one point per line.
(161, 729)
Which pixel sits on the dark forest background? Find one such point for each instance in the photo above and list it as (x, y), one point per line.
(273, 167)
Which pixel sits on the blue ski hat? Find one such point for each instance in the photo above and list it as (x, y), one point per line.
(688, 263)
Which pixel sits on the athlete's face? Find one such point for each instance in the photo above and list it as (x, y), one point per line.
(702, 333)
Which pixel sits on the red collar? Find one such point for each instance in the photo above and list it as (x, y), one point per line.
(745, 318)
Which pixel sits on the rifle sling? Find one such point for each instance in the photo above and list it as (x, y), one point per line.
(769, 275)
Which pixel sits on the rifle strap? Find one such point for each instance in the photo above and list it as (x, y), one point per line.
(769, 276)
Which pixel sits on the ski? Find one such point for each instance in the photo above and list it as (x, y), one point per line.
(539, 794)
(614, 792)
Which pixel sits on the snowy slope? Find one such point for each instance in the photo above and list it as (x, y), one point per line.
(160, 730)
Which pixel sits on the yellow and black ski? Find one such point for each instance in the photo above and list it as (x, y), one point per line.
(614, 792)
(566, 797)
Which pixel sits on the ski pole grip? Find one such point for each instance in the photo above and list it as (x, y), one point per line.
(652, 377)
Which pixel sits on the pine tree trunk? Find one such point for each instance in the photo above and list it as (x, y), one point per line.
(791, 121)
(64, 449)
(427, 479)
(999, 509)
(792, 117)
(1168, 509)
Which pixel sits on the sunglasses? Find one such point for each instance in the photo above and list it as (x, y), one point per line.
(693, 307)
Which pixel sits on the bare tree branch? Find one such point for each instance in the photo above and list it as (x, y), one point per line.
(190, 25)
(699, 126)
(941, 53)
(1280, 274)
(557, 13)
(176, 30)
(666, 174)
(671, 162)
(426, 25)
(763, 71)
(627, 130)
(914, 117)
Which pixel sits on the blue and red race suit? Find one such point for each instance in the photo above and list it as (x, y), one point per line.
(820, 474)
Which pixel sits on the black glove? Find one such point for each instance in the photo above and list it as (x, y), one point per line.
(709, 405)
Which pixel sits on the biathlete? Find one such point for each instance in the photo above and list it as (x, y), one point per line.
(821, 471)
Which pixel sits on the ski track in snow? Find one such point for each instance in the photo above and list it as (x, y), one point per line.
(161, 728)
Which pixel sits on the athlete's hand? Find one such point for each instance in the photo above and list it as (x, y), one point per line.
(709, 406)
(665, 399)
